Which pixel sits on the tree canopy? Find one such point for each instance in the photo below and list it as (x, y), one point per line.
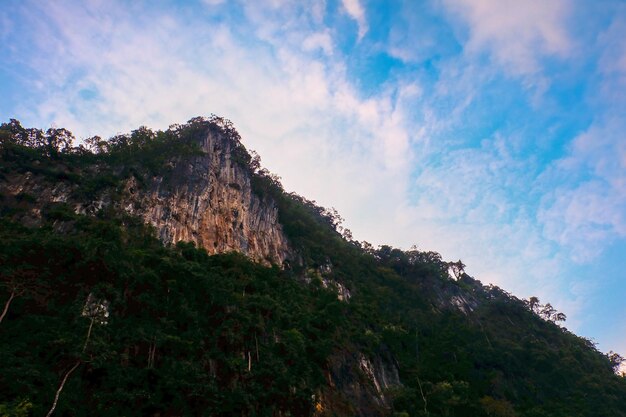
(100, 318)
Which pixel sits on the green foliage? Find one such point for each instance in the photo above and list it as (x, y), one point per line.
(197, 332)
(58, 211)
(497, 408)
(186, 333)
(97, 165)
(19, 408)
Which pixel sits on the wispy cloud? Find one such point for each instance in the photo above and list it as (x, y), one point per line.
(585, 210)
(473, 195)
(588, 209)
(356, 11)
(319, 41)
(516, 33)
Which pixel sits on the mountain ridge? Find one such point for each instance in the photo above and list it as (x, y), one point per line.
(398, 332)
(205, 198)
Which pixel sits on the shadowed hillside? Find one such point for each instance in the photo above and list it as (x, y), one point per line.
(167, 274)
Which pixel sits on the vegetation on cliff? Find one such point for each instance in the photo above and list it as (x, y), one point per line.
(101, 316)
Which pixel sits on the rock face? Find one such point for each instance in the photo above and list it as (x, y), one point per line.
(208, 200)
(364, 382)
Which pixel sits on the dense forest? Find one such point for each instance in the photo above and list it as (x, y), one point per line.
(99, 317)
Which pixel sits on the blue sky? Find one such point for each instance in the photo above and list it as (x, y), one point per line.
(488, 130)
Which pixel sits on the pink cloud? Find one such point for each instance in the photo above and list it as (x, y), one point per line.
(516, 33)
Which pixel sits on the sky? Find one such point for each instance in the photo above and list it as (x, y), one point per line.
(491, 131)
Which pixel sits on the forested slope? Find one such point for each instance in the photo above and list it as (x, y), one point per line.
(100, 317)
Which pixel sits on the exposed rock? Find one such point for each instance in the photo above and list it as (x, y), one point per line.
(208, 200)
(464, 305)
(326, 268)
(365, 382)
(32, 186)
(324, 273)
(451, 295)
(343, 293)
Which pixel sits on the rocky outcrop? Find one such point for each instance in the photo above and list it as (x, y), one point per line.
(29, 186)
(365, 383)
(205, 198)
(208, 200)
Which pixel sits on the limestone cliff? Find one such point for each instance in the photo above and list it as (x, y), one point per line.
(208, 200)
(204, 198)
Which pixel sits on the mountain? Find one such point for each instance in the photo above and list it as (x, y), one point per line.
(167, 274)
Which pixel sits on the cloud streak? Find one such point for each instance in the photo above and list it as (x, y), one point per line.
(357, 13)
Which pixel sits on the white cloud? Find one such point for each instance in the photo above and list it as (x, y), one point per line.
(318, 11)
(319, 41)
(587, 211)
(356, 12)
(517, 33)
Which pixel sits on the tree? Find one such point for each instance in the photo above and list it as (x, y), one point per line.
(15, 291)
(97, 310)
(19, 282)
(616, 360)
(559, 317)
(96, 145)
(457, 268)
(19, 135)
(533, 304)
(497, 407)
(255, 162)
(57, 141)
(547, 312)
